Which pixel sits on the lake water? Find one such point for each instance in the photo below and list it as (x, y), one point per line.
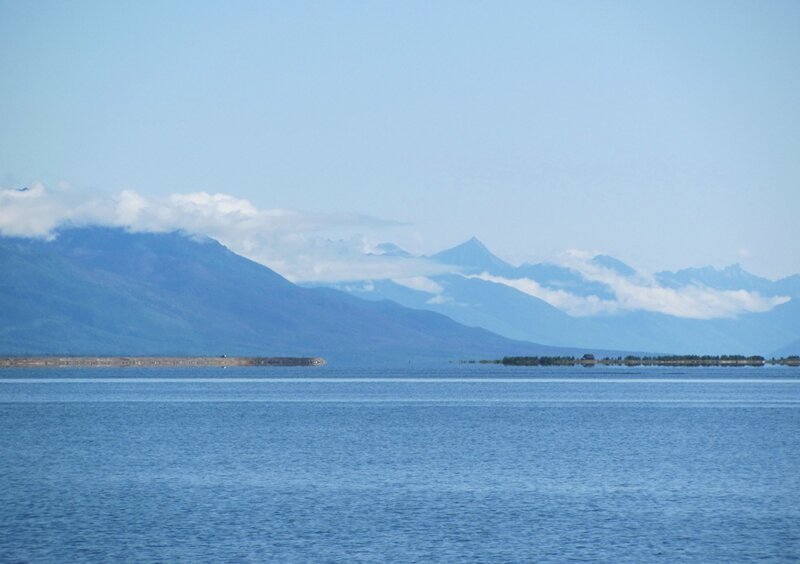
(475, 463)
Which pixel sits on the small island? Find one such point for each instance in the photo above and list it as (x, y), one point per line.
(632, 360)
(156, 361)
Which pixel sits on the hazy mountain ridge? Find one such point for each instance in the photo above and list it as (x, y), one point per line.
(514, 313)
(732, 277)
(473, 257)
(107, 291)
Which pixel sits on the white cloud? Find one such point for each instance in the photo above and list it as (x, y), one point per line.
(35, 212)
(439, 299)
(301, 246)
(317, 247)
(694, 301)
(563, 300)
(641, 293)
(420, 283)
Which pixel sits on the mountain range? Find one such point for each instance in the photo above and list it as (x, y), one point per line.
(108, 291)
(480, 291)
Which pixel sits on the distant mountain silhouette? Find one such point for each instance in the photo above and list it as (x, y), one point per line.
(790, 349)
(107, 291)
(473, 258)
(391, 250)
(520, 315)
(613, 264)
(561, 278)
(789, 286)
(733, 277)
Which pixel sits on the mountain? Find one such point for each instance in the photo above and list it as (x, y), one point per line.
(732, 277)
(561, 278)
(613, 264)
(391, 250)
(107, 291)
(472, 257)
(479, 303)
(789, 286)
(792, 349)
(511, 312)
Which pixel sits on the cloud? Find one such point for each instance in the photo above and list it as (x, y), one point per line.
(300, 245)
(641, 293)
(36, 212)
(318, 247)
(420, 283)
(570, 303)
(439, 299)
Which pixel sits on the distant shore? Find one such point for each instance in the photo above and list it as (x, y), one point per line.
(665, 360)
(155, 361)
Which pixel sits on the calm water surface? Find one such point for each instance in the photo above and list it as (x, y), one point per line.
(451, 464)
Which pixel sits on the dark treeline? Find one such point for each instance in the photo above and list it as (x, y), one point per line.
(539, 361)
(632, 360)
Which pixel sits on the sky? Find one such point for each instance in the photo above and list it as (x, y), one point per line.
(666, 134)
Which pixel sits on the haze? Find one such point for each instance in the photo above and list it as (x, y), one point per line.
(665, 134)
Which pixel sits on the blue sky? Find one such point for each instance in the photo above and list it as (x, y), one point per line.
(664, 133)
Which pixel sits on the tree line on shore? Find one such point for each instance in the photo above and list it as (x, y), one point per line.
(633, 360)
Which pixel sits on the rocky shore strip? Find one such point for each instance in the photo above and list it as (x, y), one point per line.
(155, 361)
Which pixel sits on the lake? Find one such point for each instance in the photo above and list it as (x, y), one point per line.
(455, 463)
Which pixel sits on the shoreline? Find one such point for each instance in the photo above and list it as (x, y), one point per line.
(632, 361)
(156, 361)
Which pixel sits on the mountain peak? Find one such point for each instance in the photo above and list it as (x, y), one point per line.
(731, 277)
(391, 250)
(474, 244)
(609, 262)
(473, 257)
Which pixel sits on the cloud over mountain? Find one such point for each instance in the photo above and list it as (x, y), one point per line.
(637, 292)
(624, 288)
(302, 246)
(692, 302)
(335, 247)
(572, 304)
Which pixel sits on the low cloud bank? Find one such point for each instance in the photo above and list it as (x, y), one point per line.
(641, 293)
(318, 247)
(572, 304)
(304, 247)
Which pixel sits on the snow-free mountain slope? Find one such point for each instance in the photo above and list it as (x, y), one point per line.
(107, 291)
